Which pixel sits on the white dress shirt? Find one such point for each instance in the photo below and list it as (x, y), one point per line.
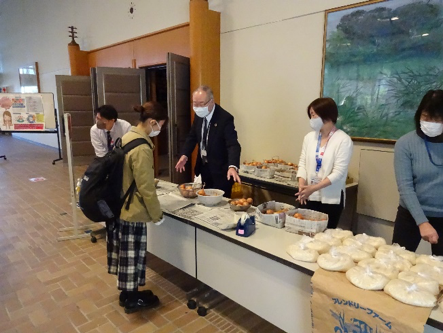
(99, 138)
(334, 166)
(208, 120)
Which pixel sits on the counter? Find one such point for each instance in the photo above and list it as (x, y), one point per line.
(283, 190)
(256, 272)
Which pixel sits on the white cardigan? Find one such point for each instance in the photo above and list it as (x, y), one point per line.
(334, 165)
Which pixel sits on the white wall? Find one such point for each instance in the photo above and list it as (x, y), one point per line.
(38, 31)
(271, 63)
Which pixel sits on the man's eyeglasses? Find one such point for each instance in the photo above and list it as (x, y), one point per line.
(200, 105)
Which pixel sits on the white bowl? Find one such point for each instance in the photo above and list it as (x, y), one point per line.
(212, 197)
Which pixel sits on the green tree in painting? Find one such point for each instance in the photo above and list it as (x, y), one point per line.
(380, 61)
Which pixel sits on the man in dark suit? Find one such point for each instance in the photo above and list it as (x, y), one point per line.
(218, 148)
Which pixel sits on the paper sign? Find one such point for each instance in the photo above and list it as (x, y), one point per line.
(38, 179)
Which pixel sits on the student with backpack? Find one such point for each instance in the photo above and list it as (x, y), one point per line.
(127, 235)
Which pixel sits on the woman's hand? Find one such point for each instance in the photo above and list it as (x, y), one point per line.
(428, 233)
(304, 192)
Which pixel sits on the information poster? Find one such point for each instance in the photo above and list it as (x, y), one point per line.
(21, 112)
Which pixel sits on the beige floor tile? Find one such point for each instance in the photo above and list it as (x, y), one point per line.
(63, 287)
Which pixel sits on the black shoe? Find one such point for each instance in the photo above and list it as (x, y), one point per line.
(124, 296)
(142, 303)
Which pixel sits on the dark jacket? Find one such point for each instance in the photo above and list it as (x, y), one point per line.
(223, 148)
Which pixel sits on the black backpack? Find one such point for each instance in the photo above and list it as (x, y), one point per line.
(100, 197)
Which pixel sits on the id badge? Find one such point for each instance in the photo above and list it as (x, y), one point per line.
(204, 152)
(315, 180)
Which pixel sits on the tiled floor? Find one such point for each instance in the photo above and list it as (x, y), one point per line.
(52, 286)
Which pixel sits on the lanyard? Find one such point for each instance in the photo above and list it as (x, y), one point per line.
(429, 154)
(318, 155)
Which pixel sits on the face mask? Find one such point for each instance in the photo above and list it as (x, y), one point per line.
(431, 129)
(100, 124)
(155, 133)
(201, 111)
(316, 123)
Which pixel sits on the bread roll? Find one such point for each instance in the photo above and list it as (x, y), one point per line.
(339, 233)
(409, 293)
(381, 267)
(433, 272)
(327, 238)
(422, 281)
(365, 278)
(354, 252)
(336, 262)
(400, 263)
(400, 251)
(370, 240)
(430, 260)
(300, 252)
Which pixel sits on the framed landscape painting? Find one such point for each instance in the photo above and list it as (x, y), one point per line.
(379, 59)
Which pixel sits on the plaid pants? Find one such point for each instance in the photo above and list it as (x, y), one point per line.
(126, 247)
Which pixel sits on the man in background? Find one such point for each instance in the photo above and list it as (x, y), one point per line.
(214, 132)
(107, 129)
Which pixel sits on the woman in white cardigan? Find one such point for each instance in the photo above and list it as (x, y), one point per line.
(324, 160)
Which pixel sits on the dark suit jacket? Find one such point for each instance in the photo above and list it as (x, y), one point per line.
(223, 148)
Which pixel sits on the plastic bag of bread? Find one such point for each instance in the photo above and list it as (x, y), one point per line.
(380, 266)
(327, 238)
(365, 278)
(300, 251)
(339, 233)
(354, 252)
(400, 263)
(422, 281)
(408, 293)
(430, 260)
(335, 261)
(399, 250)
(362, 246)
(370, 240)
(432, 272)
(315, 244)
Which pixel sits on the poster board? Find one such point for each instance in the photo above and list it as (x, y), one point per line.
(27, 112)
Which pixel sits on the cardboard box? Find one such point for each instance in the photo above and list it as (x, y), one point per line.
(339, 306)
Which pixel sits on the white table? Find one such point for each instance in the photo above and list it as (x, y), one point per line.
(256, 272)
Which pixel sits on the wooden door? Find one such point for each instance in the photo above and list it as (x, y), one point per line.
(179, 94)
(121, 87)
(74, 96)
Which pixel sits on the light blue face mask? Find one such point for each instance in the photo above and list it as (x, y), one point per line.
(316, 123)
(201, 111)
